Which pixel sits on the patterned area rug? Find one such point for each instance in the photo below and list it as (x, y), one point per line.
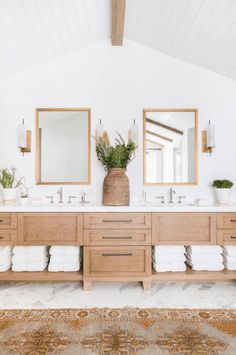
(125, 331)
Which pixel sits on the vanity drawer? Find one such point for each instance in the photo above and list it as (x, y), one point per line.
(117, 261)
(226, 220)
(184, 228)
(117, 220)
(8, 237)
(51, 228)
(8, 221)
(117, 237)
(227, 236)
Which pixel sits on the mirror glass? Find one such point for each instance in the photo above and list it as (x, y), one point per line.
(170, 146)
(63, 146)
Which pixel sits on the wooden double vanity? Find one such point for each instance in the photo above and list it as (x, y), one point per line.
(117, 246)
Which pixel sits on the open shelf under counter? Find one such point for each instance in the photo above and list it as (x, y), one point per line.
(43, 276)
(191, 275)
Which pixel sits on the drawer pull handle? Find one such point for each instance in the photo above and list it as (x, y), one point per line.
(2, 236)
(1, 220)
(117, 221)
(233, 220)
(114, 254)
(233, 237)
(117, 238)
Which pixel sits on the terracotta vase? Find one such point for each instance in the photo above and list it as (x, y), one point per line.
(116, 188)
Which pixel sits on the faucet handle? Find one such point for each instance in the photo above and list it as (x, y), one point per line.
(51, 199)
(162, 198)
(70, 197)
(180, 199)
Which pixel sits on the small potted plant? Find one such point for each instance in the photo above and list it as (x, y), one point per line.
(115, 159)
(9, 184)
(223, 190)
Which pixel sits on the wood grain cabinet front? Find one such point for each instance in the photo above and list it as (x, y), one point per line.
(117, 237)
(8, 237)
(50, 228)
(8, 221)
(117, 220)
(183, 228)
(226, 220)
(117, 261)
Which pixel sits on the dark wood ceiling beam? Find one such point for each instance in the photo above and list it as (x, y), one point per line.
(172, 129)
(159, 136)
(118, 22)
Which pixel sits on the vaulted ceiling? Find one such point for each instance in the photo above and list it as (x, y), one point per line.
(202, 32)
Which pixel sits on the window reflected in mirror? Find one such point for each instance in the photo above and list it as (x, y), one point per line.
(170, 146)
(63, 146)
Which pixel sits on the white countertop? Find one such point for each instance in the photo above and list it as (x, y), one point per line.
(93, 207)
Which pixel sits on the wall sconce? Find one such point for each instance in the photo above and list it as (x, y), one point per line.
(24, 139)
(99, 129)
(133, 133)
(208, 139)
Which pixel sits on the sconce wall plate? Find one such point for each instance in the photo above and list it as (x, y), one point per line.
(205, 148)
(27, 149)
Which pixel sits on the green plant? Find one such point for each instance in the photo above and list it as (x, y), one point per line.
(117, 156)
(222, 184)
(8, 178)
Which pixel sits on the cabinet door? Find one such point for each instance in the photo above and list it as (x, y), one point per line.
(50, 228)
(8, 220)
(117, 220)
(117, 261)
(8, 237)
(184, 228)
(226, 220)
(117, 237)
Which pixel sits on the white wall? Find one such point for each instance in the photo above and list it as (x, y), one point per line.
(117, 83)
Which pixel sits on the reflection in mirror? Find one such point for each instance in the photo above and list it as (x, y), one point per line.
(63, 146)
(170, 146)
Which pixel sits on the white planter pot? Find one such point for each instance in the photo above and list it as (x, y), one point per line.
(9, 195)
(223, 196)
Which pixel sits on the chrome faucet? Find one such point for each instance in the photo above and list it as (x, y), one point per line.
(172, 192)
(60, 192)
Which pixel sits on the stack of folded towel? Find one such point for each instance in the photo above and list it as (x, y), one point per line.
(229, 255)
(33, 258)
(169, 258)
(64, 258)
(5, 258)
(205, 257)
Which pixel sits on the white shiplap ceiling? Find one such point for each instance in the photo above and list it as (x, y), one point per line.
(202, 32)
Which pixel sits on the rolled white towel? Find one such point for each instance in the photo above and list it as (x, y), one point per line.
(65, 250)
(5, 266)
(211, 258)
(229, 259)
(7, 250)
(66, 267)
(33, 250)
(168, 249)
(37, 266)
(230, 266)
(164, 259)
(169, 267)
(6, 259)
(29, 258)
(203, 249)
(204, 266)
(229, 250)
(71, 259)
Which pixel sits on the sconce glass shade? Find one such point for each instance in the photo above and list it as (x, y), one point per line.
(22, 136)
(99, 129)
(133, 133)
(211, 136)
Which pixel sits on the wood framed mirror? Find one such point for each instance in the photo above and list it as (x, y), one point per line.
(170, 146)
(63, 138)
